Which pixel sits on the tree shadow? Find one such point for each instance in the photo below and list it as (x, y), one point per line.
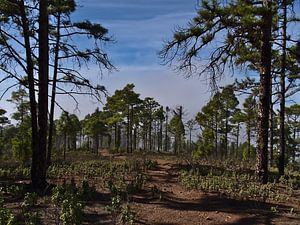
(249, 211)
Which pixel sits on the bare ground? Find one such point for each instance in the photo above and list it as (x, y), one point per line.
(165, 202)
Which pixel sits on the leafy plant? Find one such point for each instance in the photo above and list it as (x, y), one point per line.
(71, 211)
(6, 216)
(86, 192)
(30, 200)
(70, 203)
(31, 218)
(126, 215)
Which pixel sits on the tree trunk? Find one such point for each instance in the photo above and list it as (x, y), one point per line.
(282, 141)
(226, 135)
(40, 165)
(65, 145)
(271, 128)
(116, 135)
(109, 141)
(166, 131)
(160, 136)
(135, 138)
(128, 130)
(96, 144)
(190, 144)
(264, 95)
(150, 135)
(131, 128)
(294, 147)
(237, 139)
(53, 95)
(248, 129)
(216, 135)
(33, 104)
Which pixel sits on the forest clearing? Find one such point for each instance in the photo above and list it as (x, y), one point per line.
(97, 128)
(151, 188)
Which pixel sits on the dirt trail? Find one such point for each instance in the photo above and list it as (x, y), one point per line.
(165, 202)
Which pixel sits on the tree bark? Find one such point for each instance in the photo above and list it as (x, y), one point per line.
(271, 127)
(33, 104)
(237, 139)
(65, 145)
(282, 141)
(264, 95)
(53, 95)
(128, 130)
(166, 129)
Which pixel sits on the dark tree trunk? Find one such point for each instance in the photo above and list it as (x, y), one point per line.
(109, 141)
(160, 136)
(294, 147)
(216, 135)
(150, 134)
(88, 140)
(128, 130)
(33, 104)
(237, 140)
(249, 137)
(96, 144)
(53, 95)
(101, 142)
(135, 138)
(271, 129)
(190, 144)
(39, 163)
(226, 134)
(116, 135)
(145, 139)
(166, 129)
(131, 128)
(282, 141)
(264, 95)
(65, 144)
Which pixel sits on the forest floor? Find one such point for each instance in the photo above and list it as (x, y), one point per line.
(177, 205)
(163, 200)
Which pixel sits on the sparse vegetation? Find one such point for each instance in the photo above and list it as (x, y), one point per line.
(132, 160)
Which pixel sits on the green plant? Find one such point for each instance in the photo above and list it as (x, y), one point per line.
(58, 195)
(136, 184)
(6, 216)
(15, 190)
(71, 211)
(274, 209)
(70, 203)
(86, 192)
(126, 215)
(149, 164)
(30, 200)
(31, 218)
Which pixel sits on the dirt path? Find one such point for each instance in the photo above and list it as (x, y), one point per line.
(165, 202)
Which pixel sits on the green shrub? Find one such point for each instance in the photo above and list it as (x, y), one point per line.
(70, 203)
(71, 211)
(126, 215)
(31, 218)
(6, 216)
(86, 192)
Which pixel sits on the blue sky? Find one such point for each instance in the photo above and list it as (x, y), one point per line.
(140, 28)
